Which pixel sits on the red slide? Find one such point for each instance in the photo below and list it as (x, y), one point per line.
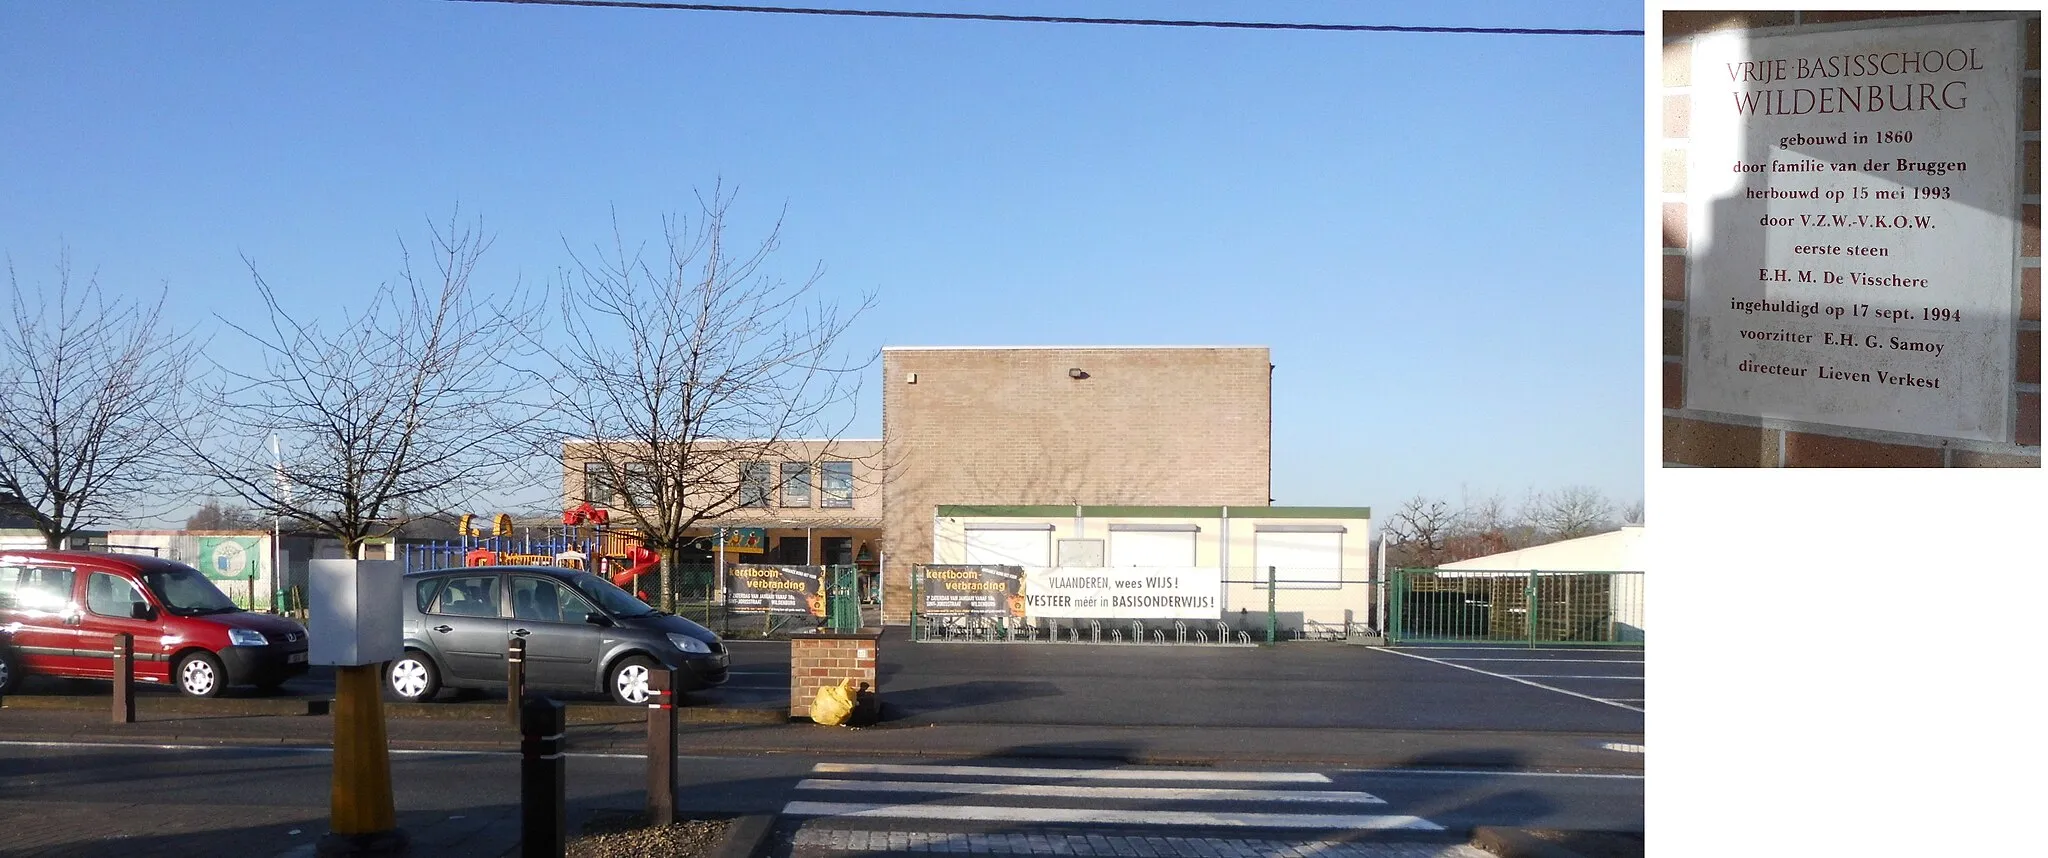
(640, 560)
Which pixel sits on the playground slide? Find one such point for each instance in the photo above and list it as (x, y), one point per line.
(642, 561)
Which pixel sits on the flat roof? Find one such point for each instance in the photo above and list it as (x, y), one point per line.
(1087, 511)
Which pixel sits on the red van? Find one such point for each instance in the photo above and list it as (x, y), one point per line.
(61, 609)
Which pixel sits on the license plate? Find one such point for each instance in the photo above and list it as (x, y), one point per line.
(295, 658)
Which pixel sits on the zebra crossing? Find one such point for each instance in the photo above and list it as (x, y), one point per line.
(860, 808)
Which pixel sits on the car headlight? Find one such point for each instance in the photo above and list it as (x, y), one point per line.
(688, 644)
(246, 637)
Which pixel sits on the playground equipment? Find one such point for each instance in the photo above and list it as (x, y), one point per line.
(584, 541)
(638, 560)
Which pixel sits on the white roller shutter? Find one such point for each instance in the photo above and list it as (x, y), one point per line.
(1165, 548)
(1306, 559)
(1009, 546)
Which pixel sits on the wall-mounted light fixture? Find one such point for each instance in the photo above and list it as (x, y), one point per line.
(1077, 372)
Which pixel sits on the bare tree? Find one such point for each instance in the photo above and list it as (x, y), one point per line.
(1633, 514)
(215, 515)
(1420, 532)
(91, 389)
(689, 375)
(407, 408)
(1570, 512)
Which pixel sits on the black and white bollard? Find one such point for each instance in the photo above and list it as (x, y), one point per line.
(543, 812)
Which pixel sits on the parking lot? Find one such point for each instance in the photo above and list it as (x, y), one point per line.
(1608, 675)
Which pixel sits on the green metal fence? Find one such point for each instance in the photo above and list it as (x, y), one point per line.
(1583, 608)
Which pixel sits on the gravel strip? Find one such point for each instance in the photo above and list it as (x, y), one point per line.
(627, 836)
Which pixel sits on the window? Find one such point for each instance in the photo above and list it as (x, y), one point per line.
(639, 482)
(111, 596)
(597, 489)
(756, 484)
(46, 590)
(473, 596)
(424, 592)
(543, 600)
(836, 484)
(796, 484)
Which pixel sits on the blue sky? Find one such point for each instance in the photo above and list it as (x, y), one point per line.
(1440, 236)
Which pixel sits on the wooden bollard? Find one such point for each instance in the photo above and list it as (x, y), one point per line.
(124, 678)
(661, 746)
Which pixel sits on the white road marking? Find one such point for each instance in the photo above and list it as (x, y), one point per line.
(1481, 773)
(1561, 660)
(1091, 792)
(1116, 845)
(1513, 679)
(1098, 816)
(1577, 650)
(1566, 676)
(1622, 747)
(1072, 774)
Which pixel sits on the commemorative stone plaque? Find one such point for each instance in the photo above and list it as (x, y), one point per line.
(1854, 220)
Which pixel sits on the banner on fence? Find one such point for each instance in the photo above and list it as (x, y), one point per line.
(971, 591)
(775, 589)
(1124, 593)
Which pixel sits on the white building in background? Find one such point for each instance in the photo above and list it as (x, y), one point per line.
(1619, 551)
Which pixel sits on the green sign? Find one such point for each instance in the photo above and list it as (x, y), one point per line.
(230, 557)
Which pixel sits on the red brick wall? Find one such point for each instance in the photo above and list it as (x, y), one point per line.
(819, 660)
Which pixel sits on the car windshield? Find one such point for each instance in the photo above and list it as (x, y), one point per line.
(184, 591)
(609, 597)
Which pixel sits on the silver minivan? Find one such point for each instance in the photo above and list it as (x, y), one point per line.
(582, 633)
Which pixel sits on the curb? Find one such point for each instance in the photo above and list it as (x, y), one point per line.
(578, 713)
(1517, 843)
(747, 837)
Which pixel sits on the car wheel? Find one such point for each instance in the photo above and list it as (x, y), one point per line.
(413, 677)
(200, 675)
(10, 670)
(628, 683)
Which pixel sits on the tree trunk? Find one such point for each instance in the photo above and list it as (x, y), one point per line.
(668, 590)
(53, 540)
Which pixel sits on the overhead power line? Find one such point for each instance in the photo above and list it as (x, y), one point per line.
(1062, 19)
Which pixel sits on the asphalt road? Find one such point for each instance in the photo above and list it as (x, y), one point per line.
(1301, 685)
(268, 801)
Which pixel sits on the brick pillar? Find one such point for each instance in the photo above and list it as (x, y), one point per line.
(819, 659)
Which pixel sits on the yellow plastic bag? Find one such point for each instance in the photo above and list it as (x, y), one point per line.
(834, 704)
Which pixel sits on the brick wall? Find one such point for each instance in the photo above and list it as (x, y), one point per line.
(1146, 426)
(1698, 438)
(819, 660)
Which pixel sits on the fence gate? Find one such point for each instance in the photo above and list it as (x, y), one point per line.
(1462, 606)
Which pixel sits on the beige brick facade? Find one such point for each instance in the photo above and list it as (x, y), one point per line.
(1140, 426)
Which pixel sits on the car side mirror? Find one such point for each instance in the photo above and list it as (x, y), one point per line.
(141, 611)
(596, 619)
